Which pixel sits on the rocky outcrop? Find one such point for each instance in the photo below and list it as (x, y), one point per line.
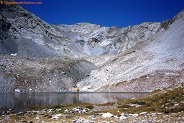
(7, 43)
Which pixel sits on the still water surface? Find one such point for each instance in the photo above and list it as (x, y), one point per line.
(21, 101)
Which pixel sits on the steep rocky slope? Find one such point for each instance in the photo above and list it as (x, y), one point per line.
(150, 65)
(32, 37)
(41, 74)
(49, 57)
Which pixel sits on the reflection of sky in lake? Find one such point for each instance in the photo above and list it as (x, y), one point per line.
(21, 101)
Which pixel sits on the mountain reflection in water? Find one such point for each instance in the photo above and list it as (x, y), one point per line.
(21, 101)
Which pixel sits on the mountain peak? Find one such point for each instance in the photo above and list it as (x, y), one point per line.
(179, 15)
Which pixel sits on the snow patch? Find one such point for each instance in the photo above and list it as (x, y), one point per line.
(13, 54)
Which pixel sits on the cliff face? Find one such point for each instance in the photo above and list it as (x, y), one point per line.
(142, 57)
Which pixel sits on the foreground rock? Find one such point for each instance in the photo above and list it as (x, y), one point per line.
(31, 117)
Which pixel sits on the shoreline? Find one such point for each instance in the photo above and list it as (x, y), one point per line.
(166, 105)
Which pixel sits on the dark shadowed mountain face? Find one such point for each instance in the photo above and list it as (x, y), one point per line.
(37, 56)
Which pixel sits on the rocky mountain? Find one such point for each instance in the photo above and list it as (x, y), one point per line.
(33, 37)
(149, 65)
(37, 56)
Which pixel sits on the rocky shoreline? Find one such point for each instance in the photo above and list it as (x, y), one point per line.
(86, 115)
(160, 106)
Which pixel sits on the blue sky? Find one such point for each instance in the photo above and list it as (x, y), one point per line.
(119, 13)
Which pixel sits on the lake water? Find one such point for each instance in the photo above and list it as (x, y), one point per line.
(22, 101)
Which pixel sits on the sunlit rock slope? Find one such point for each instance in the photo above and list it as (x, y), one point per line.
(152, 64)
